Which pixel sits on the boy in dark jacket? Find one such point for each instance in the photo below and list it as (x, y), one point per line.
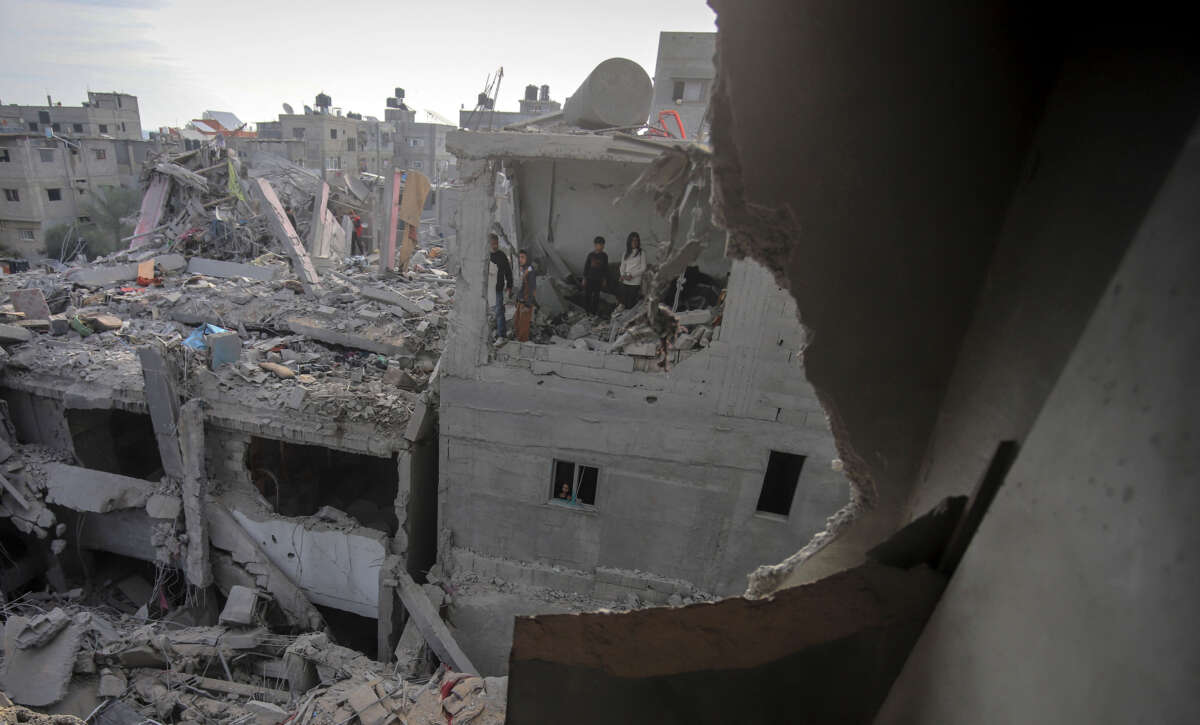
(595, 276)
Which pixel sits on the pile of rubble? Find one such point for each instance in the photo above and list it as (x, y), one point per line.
(228, 282)
(67, 655)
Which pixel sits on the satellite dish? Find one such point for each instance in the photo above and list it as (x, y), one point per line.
(307, 111)
(287, 108)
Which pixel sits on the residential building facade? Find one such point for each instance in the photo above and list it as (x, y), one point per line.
(54, 159)
(683, 79)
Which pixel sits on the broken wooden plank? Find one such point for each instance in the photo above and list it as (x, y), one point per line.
(431, 626)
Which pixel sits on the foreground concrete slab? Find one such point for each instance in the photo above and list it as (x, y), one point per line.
(195, 492)
(283, 231)
(230, 270)
(31, 302)
(432, 628)
(82, 489)
(38, 676)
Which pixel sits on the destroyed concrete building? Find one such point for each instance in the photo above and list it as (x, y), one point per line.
(985, 219)
(686, 478)
(207, 409)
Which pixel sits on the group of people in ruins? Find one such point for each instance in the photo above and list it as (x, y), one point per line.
(595, 281)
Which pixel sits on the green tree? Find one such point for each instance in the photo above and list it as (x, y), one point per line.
(112, 213)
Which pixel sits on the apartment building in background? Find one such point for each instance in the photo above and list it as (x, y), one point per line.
(55, 158)
(683, 79)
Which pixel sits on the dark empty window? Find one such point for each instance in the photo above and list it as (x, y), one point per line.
(46, 155)
(101, 154)
(122, 125)
(54, 194)
(298, 480)
(4, 157)
(55, 127)
(779, 484)
(43, 116)
(12, 195)
(677, 91)
(574, 483)
(33, 125)
(104, 128)
(333, 133)
(297, 133)
(115, 441)
(77, 127)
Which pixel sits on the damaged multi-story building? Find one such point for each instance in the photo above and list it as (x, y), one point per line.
(686, 476)
(55, 159)
(984, 219)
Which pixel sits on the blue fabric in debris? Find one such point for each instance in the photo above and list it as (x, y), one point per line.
(196, 339)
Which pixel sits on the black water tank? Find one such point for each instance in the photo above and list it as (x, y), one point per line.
(531, 93)
(323, 101)
(545, 94)
(393, 102)
(399, 93)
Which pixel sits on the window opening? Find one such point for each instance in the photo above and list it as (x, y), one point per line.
(779, 483)
(12, 195)
(574, 483)
(54, 194)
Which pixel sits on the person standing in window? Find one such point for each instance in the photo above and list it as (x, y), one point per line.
(633, 266)
(526, 297)
(595, 276)
(504, 282)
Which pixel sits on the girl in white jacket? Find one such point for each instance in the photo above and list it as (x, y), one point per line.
(633, 266)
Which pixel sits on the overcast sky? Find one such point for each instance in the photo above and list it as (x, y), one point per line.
(248, 57)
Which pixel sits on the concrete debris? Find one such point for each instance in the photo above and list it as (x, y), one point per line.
(240, 606)
(38, 676)
(161, 506)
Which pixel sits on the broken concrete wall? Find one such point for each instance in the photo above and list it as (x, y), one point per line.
(1079, 589)
(570, 201)
(38, 419)
(335, 567)
(681, 456)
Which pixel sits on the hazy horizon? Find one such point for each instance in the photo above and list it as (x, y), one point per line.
(181, 60)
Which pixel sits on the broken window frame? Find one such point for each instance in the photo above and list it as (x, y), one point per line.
(577, 475)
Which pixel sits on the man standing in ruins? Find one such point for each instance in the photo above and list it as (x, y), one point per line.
(504, 282)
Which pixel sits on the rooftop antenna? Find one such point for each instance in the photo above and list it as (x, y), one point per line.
(486, 102)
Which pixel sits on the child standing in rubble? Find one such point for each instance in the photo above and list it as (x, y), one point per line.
(633, 266)
(595, 276)
(526, 297)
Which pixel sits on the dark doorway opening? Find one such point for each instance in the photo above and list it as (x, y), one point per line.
(115, 441)
(352, 630)
(298, 480)
(779, 483)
